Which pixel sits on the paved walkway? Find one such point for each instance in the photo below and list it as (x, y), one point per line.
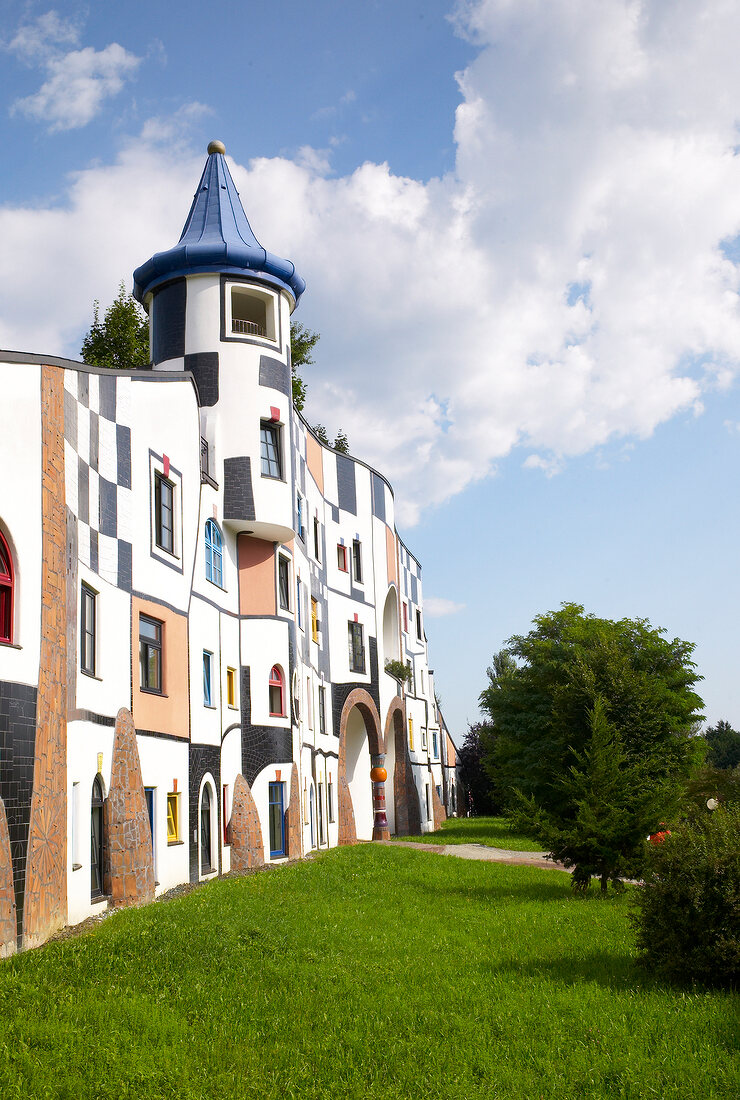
(482, 851)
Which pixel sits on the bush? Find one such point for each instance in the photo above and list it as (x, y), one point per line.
(398, 670)
(688, 908)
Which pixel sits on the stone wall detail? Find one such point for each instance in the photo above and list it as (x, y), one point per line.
(127, 835)
(295, 829)
(45, 902)
(438, 811)
(8, 927)
(245, 832)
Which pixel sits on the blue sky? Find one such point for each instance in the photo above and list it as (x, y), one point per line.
(519, 226)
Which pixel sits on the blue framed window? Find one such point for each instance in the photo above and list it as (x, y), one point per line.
(207, 678)
(277, 820)
(434, 745)
(298, 603)
(214, 554)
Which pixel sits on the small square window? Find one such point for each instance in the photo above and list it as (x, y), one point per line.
(284, 582)
(270, 449)
(342, 558)
(231, 687)
(356, 647)
(150, 654)
(173, 817)
(87, 629)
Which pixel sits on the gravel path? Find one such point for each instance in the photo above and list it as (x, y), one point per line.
(482, 851)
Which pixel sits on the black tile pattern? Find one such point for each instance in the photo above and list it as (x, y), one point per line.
(168, 321)
(108, 507)
(378, 497)
(261, 745)
(275, 374)
(238, 494)
(346, 487)
(123, 455)
(203, 366)
(203, 758)
(107, 399)
(17, 745)
(124, 565)
(70, 419)
(94, 441)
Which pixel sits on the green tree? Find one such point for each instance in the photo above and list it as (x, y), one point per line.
(121, 339)
(724, 745)
(593, 711)
(302, 343)
(341, 443)
(472, 773)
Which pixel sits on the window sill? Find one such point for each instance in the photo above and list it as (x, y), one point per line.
(153, 691)
(206, 479)
(273, 477)
(232, 706)
(210, 706)
(76, 866)
(215, 584)
(175, 843)
(91, 675)
(10, 645)
(169, 553)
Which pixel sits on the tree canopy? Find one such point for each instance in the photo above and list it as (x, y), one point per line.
(593, 734)
(723, 745)
(302, 343)
(121, 339)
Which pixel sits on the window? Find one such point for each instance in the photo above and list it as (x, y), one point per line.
(434, 744)
(226, 815)
(231, 687)
(277, 820)
(316, 538)
(149, 795)
(205, 831)
(330, 798)
(276, 693)
(150, 654)
(322, 710)
(405, 618)
(299, 510)
(411, 734)
(214, 554)
(252, 313)
(284, 582)
(314, 619)
(270, 449)
(164, 513)
(207, 678)
(6, 592)
(96, 839)
(321, 814)
(357, 560)
(87, 630)
(418, 625)
(342, 557)
(424, 737)
(309, 703)
(298, 603)
(428, 802)
(356, 648)
(173, 817)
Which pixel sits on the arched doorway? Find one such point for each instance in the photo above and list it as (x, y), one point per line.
(358, 766)
(361, 778)
(96, 839)
(206, 830)
(391, 626)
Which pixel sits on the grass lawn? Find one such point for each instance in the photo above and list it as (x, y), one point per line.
(366, 972)
(494, 832)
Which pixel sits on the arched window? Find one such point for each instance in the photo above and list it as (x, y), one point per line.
(96, 839)
(277, 709)
(6, 592)
(214, 555)
(205, 831)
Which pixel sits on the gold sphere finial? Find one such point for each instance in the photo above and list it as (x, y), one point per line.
(216, 147)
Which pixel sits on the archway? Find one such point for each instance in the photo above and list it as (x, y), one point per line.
(406, 807)
(361, 776)
(391, 626)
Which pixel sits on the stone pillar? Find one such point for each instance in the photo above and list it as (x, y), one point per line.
(127, 835)
(8, 930)
(245, 832)
(378, 775)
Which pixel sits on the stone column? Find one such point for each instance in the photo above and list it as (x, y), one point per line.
(378, 775)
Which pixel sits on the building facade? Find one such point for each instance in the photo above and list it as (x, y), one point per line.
(198, 600)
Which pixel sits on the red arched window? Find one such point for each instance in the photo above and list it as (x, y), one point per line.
(276, 693)
(6, 592)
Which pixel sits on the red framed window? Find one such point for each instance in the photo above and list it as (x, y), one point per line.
(6, 592)
(342, 558)
(277, 709)
(405, 619)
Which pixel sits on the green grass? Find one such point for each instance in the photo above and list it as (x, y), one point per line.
(368, 972)
(494, 832)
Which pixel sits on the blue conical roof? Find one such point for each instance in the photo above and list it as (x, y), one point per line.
(217, 238)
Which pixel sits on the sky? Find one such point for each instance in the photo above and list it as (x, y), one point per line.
(519, 223)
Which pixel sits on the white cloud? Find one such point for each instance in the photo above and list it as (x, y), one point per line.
(37, 40)
(78, 83)
(436, 607)
(566, 286)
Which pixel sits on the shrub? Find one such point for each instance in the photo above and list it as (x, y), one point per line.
(399, 670)
(688, 908)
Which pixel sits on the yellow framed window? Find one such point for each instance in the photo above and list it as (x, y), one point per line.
(314, 619)
(231, 687)
(411, 733)
(173, 817)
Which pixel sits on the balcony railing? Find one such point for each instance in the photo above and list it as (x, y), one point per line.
(247, 328)
(205, 463)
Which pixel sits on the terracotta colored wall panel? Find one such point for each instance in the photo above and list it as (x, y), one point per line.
(45, 905)
(315, 461)
(168, 712)
(256, 576)
(129, 868)
(245, 832)
(390, 549)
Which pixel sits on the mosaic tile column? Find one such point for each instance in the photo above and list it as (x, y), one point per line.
(8, 930)
(295, 828)
(127, 834)
(378, 776)
(45, 904)
(245, 832)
